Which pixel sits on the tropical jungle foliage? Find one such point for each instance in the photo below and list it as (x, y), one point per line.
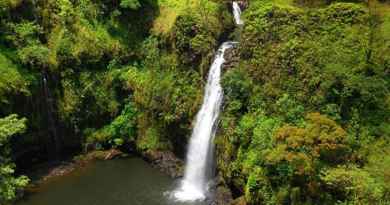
(306, 119)
(306, 108)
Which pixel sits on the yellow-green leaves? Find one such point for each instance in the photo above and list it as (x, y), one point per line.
(130, 4)
(9, 126)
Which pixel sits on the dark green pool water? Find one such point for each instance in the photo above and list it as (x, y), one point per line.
(129, 181)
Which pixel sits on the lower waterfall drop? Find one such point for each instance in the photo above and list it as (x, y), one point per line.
(194, 186)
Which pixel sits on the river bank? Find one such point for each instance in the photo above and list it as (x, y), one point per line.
(165, 162)
(162, 164)
(119, 181)
(45, 171)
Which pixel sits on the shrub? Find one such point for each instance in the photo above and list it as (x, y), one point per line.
(9, 184)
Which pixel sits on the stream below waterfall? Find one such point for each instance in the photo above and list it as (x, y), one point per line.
(127, 181)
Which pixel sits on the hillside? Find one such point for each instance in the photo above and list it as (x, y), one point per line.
(306, 110)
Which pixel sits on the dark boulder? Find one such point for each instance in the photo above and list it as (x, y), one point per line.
(166, 162)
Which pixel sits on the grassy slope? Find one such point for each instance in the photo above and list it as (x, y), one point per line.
(169, 10)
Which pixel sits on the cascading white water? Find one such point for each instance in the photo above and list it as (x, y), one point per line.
(198, 171)
(237, 13)
(194, 185)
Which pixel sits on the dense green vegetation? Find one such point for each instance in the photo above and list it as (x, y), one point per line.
(307, 111)
(101, 74)
(307, 105)
(9, 184)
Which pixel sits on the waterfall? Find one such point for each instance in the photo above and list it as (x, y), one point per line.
(55, 146)
(237, 13)
(198, 171)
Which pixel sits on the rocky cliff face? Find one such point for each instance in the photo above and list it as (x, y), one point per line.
(231, 58)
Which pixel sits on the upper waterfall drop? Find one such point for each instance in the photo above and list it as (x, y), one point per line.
(198, 170)
(237, 13)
